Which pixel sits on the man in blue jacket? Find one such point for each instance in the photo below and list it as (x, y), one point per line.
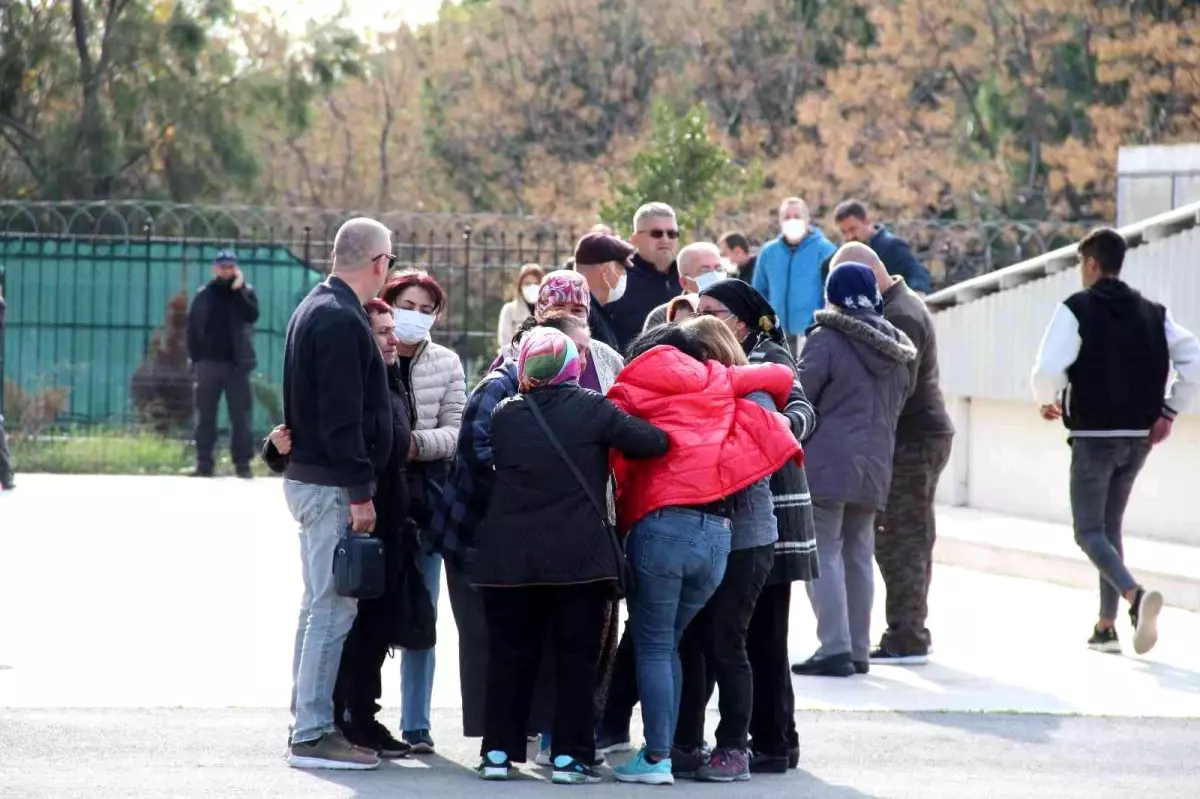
(788, 271)
(855, 224)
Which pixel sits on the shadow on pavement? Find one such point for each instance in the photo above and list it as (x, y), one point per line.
(1024, 728)
(810, 785)
(1171, 677)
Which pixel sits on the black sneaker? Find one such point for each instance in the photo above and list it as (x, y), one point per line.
(420, 741)
(494, 766)
(201, 472)
(886, 656)
(794, 757)
(831, 666)
(385, 743)
(761, 763)
(1105, 641)
(569, 771)
(244, 473)
(685, 762)
(1144, 616)
(862, 667)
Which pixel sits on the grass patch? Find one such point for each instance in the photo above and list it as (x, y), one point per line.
(109, 452)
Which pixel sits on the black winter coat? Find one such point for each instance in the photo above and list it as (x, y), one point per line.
(796, 549)
(540, 528)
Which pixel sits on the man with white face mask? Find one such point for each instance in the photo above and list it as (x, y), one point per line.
(788, 271)
(603, 261)
(700, 266)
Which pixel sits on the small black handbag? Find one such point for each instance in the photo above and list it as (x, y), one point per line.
(359, 571)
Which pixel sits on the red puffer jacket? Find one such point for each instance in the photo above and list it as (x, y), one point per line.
(720, 441)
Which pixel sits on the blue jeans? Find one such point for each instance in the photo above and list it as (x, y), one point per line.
(323, 512)
(678, 559)
(416, 668)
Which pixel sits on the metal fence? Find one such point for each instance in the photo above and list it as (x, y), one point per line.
(89, 287)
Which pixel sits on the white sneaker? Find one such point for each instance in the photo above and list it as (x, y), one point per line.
(1145, 621)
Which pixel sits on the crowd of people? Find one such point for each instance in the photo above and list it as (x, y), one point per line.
(657, 432)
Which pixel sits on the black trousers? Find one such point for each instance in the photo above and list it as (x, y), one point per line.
(517, 619)
(773, 722)
(359, 681)
(622, 687)
(466, 602)
(723, 627)
(6, 468)
(212, 379)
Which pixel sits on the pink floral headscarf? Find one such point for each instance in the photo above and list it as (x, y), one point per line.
(562, 288)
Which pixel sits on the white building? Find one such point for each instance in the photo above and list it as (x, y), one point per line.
(1006, 458)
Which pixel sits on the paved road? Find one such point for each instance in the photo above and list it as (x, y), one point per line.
(145, 649)
(136, 754)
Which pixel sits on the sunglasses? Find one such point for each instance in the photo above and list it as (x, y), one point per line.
(391, 259)
(658, 234)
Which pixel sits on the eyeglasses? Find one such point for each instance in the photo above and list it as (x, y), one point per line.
(658, 233)
(391, 259)
(718, 314)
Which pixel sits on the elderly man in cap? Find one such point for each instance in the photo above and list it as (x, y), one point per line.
(603, 260)
(220, 338)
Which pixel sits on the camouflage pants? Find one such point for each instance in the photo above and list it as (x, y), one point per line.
(904, 540)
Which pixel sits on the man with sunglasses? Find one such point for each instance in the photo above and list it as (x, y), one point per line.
(652, 278)
(338, 408)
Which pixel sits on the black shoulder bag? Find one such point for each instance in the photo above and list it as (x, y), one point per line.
(624, 574)
(358, 566)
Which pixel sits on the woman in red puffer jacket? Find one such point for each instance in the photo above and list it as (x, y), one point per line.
(674, 507)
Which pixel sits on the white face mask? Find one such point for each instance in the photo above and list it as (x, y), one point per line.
(530, 292)
(617, 291)
(794, 229)
(412, 327)
(707, 279)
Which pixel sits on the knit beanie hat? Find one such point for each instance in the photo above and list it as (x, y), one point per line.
(853, 288)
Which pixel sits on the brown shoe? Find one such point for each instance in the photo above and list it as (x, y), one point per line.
(333, 751)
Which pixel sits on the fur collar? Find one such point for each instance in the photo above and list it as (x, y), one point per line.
(899, 349)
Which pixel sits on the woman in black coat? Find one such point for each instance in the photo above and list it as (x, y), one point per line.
(776, 744)
(359, 683)
(546, 554)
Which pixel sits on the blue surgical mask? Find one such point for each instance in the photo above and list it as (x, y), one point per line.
(708, 279)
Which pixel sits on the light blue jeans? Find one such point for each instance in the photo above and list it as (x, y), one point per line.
(416, 668)
(323, 512)
(678, 559)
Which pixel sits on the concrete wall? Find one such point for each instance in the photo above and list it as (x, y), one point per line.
(1006, 459)
(1156, 178)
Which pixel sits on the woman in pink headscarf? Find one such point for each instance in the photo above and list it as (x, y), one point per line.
(568, 292)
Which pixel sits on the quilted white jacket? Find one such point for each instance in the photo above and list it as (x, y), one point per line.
(437, 391)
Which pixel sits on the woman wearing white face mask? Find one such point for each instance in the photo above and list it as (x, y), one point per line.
(433, 377)
(522, 306)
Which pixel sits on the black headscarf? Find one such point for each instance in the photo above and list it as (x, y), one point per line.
(750, 307)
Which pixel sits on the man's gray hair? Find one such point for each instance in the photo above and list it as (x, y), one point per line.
(685, 255)
(790, 201)
(358, 241)
(651, 211)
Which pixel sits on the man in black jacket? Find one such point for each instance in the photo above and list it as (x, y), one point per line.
(220, 339)
(338, 410)
(1103, 368)
(6, 470)
(651, 278)
(736, 247)
(855, 224)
